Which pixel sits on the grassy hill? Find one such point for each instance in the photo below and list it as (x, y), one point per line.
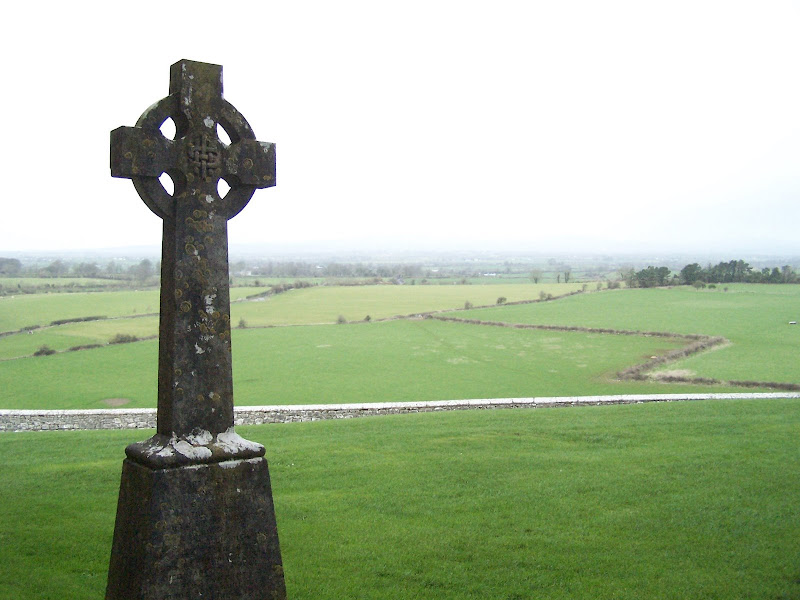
(657, 501)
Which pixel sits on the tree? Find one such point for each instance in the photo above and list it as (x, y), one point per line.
(143, 271)
(55, 269)
(628, 275)
(691, 273)
(10, 266)
(567, 273)
(652, 276)
(112, 268)
(86, 270)
(741, 271)
(536, 275)
(727, 272)
(789, 276)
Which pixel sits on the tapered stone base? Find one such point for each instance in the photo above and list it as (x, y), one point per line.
(203, 531)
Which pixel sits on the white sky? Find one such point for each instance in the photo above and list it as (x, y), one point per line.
(557, 124)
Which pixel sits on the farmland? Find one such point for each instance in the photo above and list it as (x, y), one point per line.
(325, 304)
(642, 501)
(289, 350)
(28, 310)
(754, 318)
(365, 362)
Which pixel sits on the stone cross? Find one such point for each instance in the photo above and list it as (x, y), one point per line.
(195, 389)
(195, 517)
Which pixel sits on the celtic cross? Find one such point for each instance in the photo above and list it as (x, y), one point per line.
(195, 383)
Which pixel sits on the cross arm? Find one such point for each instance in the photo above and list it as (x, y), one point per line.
(252, 163)
(136, 152)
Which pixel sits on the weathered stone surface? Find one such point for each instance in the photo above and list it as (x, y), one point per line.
(195, 516)
(200, 531)
(195, 384)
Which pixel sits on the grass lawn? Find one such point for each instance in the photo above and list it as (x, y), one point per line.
(325, 304)
(66, 336)
(400, 360)
(17, 312)
(658, 501)
(24, 310)
(70, 335)
(55, 282)
(431, 360)
(409, 360)
(764, 347)
(322, 304)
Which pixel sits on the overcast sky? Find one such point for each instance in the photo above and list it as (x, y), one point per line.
(588, 125)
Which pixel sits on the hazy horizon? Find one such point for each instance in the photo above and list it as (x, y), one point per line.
(619, 126)
(344, 252)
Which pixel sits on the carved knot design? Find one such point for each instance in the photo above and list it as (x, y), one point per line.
(204, 157)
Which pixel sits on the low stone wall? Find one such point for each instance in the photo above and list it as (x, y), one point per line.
(145, 418)
(48, 420)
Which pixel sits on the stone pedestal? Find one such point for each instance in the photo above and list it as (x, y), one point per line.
(204, 531)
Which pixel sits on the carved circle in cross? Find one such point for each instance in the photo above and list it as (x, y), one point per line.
(202, 152)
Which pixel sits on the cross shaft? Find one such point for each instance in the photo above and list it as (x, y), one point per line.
(195, 382)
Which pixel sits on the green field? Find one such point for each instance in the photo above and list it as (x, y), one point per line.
(70, 335)
(41, 310)
(324, 304)
(42, 283)
(17, 312)
(755, 318)
(319, 304)
(406, 359)
(403, 360)
(663, 501)
(657, 501)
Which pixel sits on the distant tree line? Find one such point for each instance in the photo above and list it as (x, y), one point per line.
(734, 271)
(339, 269)
(142, 272)
(146, 272)
(737, 271)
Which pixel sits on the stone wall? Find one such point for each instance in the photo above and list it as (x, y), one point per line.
(143, 418)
